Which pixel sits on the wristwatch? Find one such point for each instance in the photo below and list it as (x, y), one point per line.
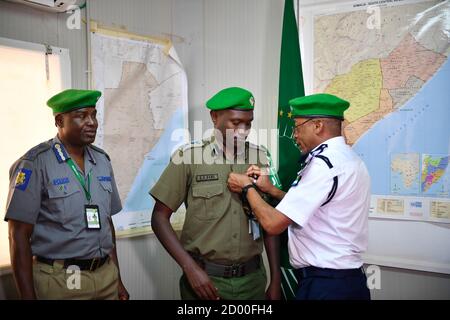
(246, 188)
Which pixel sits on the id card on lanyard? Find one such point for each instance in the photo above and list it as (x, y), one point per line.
(91, 211)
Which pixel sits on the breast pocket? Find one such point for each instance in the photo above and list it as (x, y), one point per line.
(105, 195)
(210, 202)
(63, 201)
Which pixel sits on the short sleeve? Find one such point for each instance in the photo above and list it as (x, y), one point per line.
(116, 204)
(304, 199)
(25, 192)
(172, 186)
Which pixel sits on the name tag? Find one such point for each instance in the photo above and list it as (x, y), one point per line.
(60, 181)
(104, 178)
(206, 177)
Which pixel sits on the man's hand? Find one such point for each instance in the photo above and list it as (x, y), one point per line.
(260, 178)
(254, 171)
(123, 293)
(237, 181)
(273, 292)
(202, 284)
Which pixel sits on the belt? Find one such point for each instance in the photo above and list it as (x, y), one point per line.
(85, 265)
(228, 271)
(309, 272)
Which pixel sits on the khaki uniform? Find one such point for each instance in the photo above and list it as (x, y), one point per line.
(57, 283)
(216, 227)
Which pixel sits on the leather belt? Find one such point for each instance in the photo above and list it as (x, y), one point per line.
(85, 265)
(228, 271)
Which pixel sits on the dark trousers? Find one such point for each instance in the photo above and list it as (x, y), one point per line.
(330, 284)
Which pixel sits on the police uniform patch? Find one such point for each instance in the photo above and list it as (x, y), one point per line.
(59, 181)
(22, 179)
(206, 177)
(104, 178)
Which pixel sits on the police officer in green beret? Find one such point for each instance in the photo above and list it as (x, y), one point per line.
(221, 243)
(61, 198)
(326, 208)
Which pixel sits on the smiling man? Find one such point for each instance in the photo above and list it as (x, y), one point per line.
(61, 198)
(326, 208)
(220, 247)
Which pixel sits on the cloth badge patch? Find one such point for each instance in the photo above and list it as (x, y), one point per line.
(22, 179)
(104, 178)
(57, 182)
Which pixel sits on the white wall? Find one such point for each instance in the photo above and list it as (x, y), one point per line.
(220, 43)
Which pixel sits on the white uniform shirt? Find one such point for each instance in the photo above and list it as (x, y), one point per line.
(334, 235)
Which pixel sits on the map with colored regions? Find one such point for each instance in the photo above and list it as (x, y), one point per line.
(435, 178)
(390, 60)
(376, 82)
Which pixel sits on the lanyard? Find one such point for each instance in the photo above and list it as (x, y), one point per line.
(80, 178)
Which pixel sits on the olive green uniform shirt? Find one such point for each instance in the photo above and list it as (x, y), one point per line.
(215, 226)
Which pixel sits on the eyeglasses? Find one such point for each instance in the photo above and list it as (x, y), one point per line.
(299, 125)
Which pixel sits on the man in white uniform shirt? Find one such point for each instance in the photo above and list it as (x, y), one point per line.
(326, 208)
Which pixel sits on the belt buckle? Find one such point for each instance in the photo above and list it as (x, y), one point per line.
(234, 270)
(94, 264)
(231, 271)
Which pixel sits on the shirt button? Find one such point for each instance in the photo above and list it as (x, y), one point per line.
(235, 235)
(234, 212)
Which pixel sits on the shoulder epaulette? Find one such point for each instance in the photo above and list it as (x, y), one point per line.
(101, 151)
(190, 145)
(32, 154)
(193, 144)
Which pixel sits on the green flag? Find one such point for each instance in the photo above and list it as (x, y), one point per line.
(290, 86)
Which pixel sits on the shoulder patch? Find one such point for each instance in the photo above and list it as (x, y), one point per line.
(32, 154)
(22, 179)
(100, 150)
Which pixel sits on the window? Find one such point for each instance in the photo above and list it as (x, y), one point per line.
(28, 78)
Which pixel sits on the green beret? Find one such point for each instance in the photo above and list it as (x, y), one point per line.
(73, 99)
(319, 105)
(232, 98)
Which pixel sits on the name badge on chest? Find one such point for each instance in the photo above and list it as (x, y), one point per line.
(92, 214)
(207, 177)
